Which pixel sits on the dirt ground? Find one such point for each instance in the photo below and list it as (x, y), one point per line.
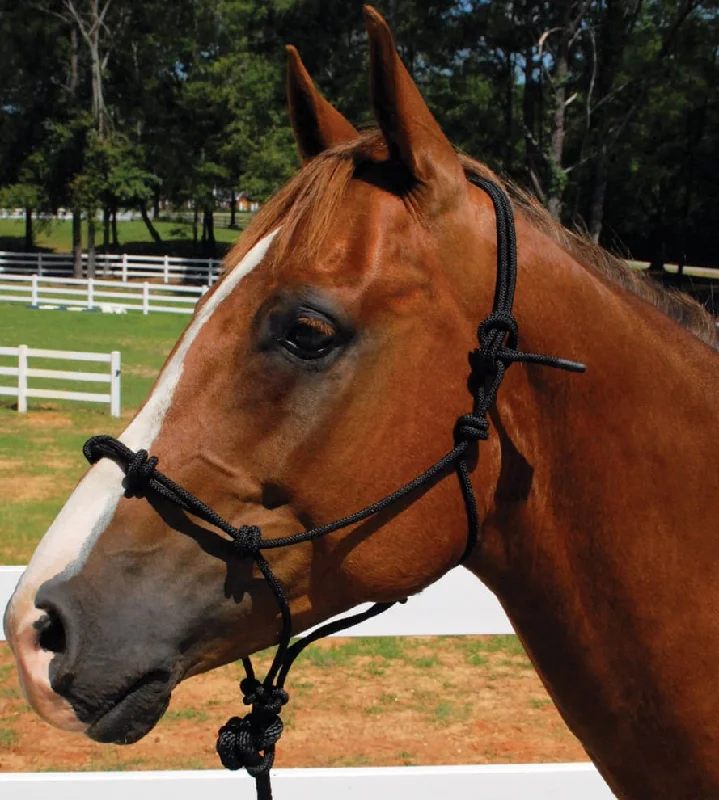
(446, 700)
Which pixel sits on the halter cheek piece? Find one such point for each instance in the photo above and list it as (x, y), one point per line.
(249, 742)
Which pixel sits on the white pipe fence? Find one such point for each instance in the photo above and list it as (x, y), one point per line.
(122, 266)
(23, 372)
(457, 604)
(112, 296)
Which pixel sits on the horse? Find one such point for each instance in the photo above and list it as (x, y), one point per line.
(328, 367)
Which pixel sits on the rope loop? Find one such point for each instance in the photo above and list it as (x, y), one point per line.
(246, 540)
(498, 322)
(140, 468)
(471, 428)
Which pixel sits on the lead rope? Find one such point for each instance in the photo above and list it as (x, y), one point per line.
(249, 742)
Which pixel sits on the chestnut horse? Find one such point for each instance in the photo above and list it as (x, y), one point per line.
(326, 369)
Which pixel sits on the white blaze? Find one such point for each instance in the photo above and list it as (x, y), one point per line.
(91, 507)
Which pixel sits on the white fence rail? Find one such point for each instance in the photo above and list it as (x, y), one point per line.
(485, 782)
(23, 372)
(122, 266)
(97, 294)
(456, 604)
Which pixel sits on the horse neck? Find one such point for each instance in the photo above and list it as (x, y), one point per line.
(605, 504)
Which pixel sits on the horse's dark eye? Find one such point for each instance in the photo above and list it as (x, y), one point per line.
(310, 336)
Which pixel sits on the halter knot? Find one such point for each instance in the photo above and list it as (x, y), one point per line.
(491, 344)
(138, 473)
(249, 742)
(471, 428)
(256, 694)
(246, 540)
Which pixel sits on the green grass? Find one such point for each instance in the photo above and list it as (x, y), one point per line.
(386, 702)
(537, 704)
(133, 237)
(385, 647)
(41, 452)
(360, 760)
(8, 737)
(426, 662)
(476, 648)
(189, 713)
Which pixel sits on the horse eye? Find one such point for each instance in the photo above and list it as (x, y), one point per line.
(310, 336)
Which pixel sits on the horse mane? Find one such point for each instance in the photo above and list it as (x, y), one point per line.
(315, 193)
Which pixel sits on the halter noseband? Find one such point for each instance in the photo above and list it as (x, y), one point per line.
(249, 742)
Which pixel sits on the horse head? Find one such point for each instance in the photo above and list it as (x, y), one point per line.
(324, 369)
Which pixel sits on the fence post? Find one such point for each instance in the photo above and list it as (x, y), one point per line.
(34, 301)
(145, 298)
(115, 383)
(166, 269)
(22, 379)
(124, 267)
(39, 263)
(210, 276)
(90, 294)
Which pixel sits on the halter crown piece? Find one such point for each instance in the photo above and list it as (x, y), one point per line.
(249, 742)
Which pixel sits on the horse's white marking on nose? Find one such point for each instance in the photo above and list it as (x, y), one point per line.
(91, 507)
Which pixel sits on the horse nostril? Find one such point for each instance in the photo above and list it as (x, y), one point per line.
(51, 632)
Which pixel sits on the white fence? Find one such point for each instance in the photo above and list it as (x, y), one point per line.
(124, 267)
(98, 294)
(457, 604)
(23, 372)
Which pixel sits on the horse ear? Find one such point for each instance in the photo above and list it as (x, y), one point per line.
(413, 135)
(317, 124)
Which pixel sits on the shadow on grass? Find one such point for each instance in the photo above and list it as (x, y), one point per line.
(180, 247)
(16, 244)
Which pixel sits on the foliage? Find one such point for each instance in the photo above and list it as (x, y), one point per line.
(607, 109)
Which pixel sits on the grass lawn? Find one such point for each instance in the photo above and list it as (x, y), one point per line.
(40, 452)
(133, 236)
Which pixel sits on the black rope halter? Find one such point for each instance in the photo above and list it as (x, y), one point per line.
(249, 742)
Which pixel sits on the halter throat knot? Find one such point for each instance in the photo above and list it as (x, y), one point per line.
(249, 742)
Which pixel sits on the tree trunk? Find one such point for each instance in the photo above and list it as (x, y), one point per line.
(115, 243)
(530, 113)
(156, 203)
(392, 14)
(76, 243)
(599, 190)
(96, 68)
(74, 62)
(209, 225)
(105, 228)
(508, 109)
(233, 209)
(156, 238)
(29, 238)
(91, 243)
(557, 176)
(194, 227)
